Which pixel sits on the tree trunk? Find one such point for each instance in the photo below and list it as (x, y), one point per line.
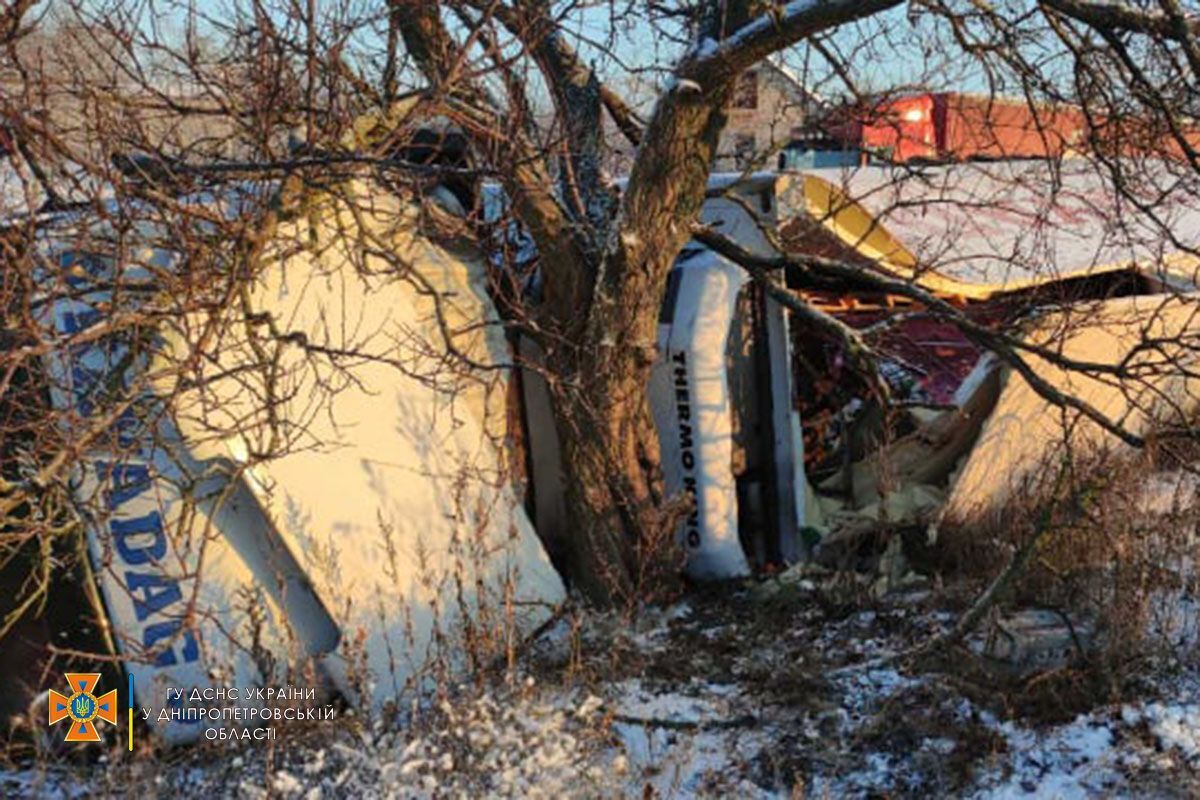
(610, 452)
(623, 545)
(605, 274)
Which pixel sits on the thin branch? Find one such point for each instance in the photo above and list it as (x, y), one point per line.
(1004, 348)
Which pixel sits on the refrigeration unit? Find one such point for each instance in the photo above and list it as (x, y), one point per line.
(721, 394)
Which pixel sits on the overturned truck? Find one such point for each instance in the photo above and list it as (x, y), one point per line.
(304, 474)
(1052, 317)
(782, 446)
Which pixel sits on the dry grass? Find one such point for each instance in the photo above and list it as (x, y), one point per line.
(1119, 557)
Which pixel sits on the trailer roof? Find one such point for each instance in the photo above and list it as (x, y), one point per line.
(977, 228)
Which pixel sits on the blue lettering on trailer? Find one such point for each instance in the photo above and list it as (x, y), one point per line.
(142, 541)
(138, 534)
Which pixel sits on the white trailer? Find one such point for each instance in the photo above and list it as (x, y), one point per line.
(386, 527)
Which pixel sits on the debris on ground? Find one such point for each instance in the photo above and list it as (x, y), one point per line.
(773, 694)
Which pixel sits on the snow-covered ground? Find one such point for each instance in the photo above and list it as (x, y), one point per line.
(778, 694)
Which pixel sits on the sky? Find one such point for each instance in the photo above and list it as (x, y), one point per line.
(894, 50)
(887, 52)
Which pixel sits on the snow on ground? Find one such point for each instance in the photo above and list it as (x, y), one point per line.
(758, 727)
(1078, 759)
(755, 696)
(1105, 753)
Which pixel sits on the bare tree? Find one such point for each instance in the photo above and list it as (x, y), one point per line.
(605, 291)
(272, 94)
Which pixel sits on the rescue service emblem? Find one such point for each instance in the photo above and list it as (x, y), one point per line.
(83, 707)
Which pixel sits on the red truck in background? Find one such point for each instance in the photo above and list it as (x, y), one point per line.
(945, 126)
(949, 126)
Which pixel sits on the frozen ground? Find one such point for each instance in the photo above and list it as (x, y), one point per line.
(771, 694)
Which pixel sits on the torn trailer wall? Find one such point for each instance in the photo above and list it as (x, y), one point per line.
(1144, 355)
(380, 521)
(996, 240)
(1118, 293)
(156, 518)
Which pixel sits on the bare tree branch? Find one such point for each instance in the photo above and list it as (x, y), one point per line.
(1122, 16)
